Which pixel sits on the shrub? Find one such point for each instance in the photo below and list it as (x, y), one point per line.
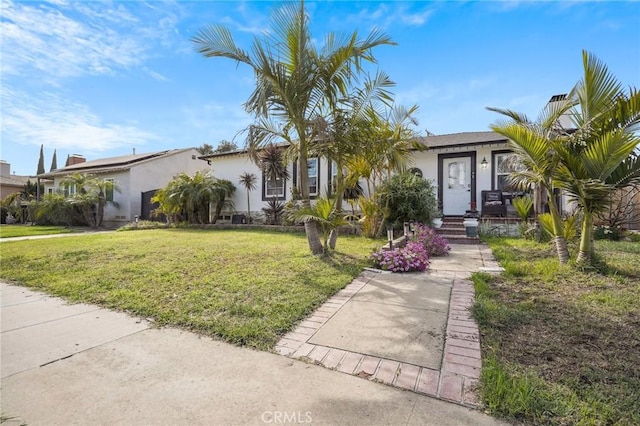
(434, 243)
(409, 198)
(613, 233)
(414, 257)
(411, 258)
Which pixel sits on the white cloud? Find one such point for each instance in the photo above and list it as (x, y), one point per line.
(60, 40)
(217, 121)
(63, 124)
(385, 16)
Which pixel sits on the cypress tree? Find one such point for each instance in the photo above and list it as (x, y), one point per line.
(54, 162)
(41, 161)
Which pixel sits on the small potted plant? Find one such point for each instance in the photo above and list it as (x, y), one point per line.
(471, 221)
(437, 219)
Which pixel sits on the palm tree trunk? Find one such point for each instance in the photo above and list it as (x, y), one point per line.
(101, 204)
(586, 242)
(248, 208)
(313, 237)
(310, 228)
(558, 230)
(333, 237)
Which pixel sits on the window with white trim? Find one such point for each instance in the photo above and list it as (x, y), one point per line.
(69, 189)
(312, 166)
(274, 187)
(505, 164)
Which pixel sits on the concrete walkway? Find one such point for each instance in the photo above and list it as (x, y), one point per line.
(413, 331)
(80, 364)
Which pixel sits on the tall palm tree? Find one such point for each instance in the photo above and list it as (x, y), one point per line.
(249, 181)
(535, 144)
(601, 155)
(293, 80)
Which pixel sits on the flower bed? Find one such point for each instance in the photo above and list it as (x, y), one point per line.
(414, 256)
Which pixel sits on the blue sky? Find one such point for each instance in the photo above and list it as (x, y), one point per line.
(102, 78)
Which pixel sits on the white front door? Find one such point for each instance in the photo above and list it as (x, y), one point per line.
(456, 185)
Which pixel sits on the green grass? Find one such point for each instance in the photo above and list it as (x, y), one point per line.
(561, 345)
(246, 287)
(10, 231)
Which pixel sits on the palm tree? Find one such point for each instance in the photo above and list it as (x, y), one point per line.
(325, 215)
(85, 197)
(194, 194)
(600, 156)
(535, 144)
(248, 180)
(293, 80)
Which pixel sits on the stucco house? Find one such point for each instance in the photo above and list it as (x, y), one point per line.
(10, 183)
(462, 166)
(136, 177)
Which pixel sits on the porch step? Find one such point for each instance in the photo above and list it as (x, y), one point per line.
(452, 230)
(461, 239)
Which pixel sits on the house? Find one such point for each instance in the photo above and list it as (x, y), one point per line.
(461, 165)
(10, 183)
(136, 177)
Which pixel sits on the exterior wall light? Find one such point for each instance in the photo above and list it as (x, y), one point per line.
(484, 163)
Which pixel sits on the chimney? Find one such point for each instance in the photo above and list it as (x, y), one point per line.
(75, 159)
(5, 168)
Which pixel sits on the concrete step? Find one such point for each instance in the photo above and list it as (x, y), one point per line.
(451, 230)
(461, 239)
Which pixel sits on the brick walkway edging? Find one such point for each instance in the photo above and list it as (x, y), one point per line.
(460, 369)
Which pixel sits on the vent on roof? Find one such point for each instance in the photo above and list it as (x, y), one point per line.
(556, 98)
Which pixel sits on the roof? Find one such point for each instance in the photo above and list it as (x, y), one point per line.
(432, 142)
(113, 164)
(462, 139)
(14, 180)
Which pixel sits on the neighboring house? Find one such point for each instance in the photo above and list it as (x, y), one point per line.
(10, 183)
(462, 165)
(136, 178)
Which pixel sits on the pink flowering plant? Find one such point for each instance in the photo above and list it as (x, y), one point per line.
(414, 256)
(432, 241)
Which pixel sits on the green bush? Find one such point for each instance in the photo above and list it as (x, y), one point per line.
(612, 233)
(409, 198)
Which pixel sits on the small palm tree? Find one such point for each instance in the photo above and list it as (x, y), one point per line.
(249, 181)
(325, 215)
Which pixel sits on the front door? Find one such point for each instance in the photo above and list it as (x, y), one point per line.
(456, 184)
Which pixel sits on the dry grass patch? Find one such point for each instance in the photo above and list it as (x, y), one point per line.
(565, 341)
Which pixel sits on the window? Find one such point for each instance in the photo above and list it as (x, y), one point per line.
(69, 189)
(50, 190)
(312, 166)
(505, 163)
(333, 174)
(108, 193)
(273, 188)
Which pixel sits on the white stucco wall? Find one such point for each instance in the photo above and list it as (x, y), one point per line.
(231, 166)
(156, 173)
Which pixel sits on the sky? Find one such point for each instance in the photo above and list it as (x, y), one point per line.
(102, 78)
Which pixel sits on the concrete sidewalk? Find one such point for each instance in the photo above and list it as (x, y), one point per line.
(80, 364)
(413, 331)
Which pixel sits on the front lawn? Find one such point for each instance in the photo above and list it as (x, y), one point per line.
(561, 345)
(10, 231)
(246, 287)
